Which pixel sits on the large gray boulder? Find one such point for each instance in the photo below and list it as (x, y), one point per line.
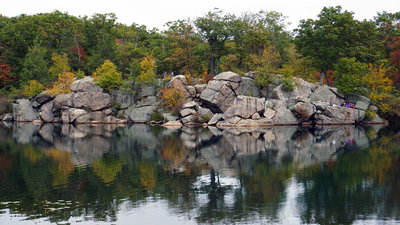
(64, 100)
(121, 99)
(46, 112)
(359, 101)
(91, 100)
(283, 115)
(248, 87)
(43, 98)
(302, 90)
(85, 84)
(23, 111)
(69, 115)
(337, 115)
(245, 106)
(303, 111)
(218, 95)
(139, 115)
(228, 76)
(325, 94)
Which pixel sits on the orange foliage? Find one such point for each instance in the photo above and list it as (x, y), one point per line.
(62, 84)
(172, 98)
(206, 76)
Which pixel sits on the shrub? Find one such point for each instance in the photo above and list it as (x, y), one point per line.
(206, 76)
(370, 115)
(107, 76)
(156, 116)
(147, 66)
(32, 89)
(5, 105)
(80, 74)
(62, 84)
(172, 99)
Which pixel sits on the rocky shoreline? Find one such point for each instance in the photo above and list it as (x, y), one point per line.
(229, 100)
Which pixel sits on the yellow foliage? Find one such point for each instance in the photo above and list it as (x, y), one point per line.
(267, 63)
(62, 84)
(107, 169)
(379, 85)
(32, 153)
(64, 166)
(60, 64)
(107, 76)
(147, 66)
(32, 89)
(172, 98)
(147, 176)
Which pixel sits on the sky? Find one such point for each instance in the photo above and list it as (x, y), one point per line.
(155, 13)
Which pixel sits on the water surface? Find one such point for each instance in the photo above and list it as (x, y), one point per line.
(137, 174)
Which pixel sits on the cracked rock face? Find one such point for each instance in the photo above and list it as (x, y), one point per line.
(220, 92)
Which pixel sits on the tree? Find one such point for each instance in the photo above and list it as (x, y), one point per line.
(35, 66)
(62, 84)
(336, 35)
(147, 66)
(184, 42)
(60, 64)
(215, 28)
(350, 75)
(107, 76)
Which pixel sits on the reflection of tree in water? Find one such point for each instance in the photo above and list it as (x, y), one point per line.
(175, 166)
(62, 167)
(107, 168)
(358, 184)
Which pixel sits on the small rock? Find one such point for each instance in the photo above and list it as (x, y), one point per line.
(186, 112)
(215, 119)
(255, 116)
(191, 104)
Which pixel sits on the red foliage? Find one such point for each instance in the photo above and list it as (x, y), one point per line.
(6, 77)
(81, 53)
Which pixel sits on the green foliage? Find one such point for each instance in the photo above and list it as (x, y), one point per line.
(32, 89)
(5, 105)
(334, 35)
(107, 76)
(370, 115)
(263, 80)
(156, 116)
(80, 74)
(350, 75)
(35, 66)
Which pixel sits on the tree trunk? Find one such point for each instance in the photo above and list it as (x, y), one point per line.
(212, 65)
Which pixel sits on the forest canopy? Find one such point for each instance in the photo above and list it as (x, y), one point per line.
(40, 47)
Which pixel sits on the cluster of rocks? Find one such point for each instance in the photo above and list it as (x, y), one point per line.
(86, 103)
(229, 100)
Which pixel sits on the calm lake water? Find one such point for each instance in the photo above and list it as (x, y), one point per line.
(137, 174)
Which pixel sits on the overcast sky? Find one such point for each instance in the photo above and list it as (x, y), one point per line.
(155, 13)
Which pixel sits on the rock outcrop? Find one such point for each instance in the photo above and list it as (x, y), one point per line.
(229, 100)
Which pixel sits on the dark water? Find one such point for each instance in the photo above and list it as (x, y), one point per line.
(53, 174)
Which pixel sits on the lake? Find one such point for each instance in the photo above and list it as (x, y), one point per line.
(138, 174)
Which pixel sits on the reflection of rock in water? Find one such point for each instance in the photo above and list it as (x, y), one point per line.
(218, 149)
(25, 133)
(275, 145)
